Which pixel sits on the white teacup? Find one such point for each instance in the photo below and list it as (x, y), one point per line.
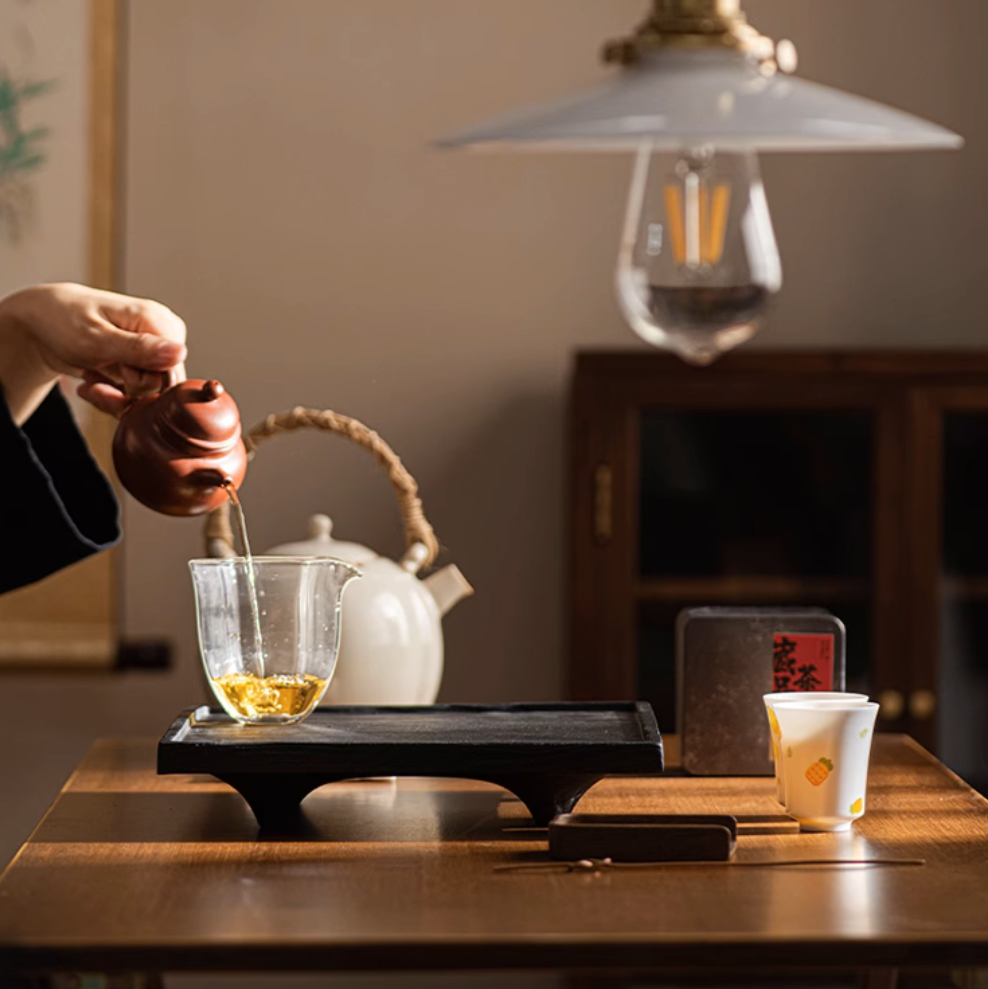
(825, 748)
(796, 697)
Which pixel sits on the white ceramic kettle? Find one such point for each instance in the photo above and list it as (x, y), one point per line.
(391, 639)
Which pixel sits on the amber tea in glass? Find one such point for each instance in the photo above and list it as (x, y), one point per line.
(269, 632)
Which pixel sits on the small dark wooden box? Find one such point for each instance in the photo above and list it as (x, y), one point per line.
(643, 837)
(726, 659)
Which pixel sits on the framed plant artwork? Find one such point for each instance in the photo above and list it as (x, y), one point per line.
(59, 66)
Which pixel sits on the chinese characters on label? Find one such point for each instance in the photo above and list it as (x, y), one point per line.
(802, 662)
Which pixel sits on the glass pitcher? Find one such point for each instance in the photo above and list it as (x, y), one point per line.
(269, 632)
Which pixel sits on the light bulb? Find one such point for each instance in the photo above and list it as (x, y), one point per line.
(699, 264)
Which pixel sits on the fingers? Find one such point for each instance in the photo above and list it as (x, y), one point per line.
(109, 376)
(141, 350)
(141, 333)
(142, 316)
(73, 328)
(105, 397)
(131, 382)
(138, 383)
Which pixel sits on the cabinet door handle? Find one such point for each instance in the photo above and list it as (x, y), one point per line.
(603, 516)
(922, 704)
(893, 704)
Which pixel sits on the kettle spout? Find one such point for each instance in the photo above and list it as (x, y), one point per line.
(447, 587)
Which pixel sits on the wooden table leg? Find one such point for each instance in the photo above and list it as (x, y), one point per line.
(89, 980)
(970, 978)
(880, 978)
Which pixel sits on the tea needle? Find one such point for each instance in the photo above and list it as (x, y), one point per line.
(606, 864)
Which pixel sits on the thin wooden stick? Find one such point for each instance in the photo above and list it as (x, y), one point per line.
(604, 865)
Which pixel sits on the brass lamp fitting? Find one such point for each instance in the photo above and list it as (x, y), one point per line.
(700, 24)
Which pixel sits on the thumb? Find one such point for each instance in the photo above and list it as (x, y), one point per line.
(141, 350)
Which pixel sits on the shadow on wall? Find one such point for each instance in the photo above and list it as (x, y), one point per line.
(505, 643)
(487, 486)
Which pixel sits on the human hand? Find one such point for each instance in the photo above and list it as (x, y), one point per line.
(118, 345)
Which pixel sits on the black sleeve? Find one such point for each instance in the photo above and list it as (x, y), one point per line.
(56, 505)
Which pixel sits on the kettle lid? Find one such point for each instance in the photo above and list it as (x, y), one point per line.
(321, 543)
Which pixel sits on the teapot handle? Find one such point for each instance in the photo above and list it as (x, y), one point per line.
(219, 531)
(165, 380)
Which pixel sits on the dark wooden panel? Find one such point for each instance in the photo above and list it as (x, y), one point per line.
(612, 393)
(923, 571)
(908, 393)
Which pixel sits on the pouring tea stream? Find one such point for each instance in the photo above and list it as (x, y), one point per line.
(392, 649)
(181, 453)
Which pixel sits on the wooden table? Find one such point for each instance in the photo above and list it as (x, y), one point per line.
(131, 871)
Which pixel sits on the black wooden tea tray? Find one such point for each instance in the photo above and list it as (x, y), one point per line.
(547, 755)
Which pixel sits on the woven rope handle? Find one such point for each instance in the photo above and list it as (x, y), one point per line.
(219, 531)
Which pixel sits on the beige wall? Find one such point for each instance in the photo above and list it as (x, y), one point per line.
(283, 197)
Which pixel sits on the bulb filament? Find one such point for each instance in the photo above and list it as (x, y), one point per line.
(698, 227)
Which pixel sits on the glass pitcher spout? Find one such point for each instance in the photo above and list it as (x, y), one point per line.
(344, 573)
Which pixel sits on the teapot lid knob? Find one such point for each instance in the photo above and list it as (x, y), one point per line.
(320, 527)
(212, 390)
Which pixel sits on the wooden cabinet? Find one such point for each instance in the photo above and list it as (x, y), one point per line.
(853, 481)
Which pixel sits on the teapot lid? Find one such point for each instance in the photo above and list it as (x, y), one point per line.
(321, 543)
(200, 414)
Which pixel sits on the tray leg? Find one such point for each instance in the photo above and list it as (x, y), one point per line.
(546, 795)
(275, 800)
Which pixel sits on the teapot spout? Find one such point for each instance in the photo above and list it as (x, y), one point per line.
(447, 587)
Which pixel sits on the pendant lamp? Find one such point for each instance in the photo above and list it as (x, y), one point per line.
(698, 93)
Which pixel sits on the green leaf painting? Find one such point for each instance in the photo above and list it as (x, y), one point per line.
(22, 154)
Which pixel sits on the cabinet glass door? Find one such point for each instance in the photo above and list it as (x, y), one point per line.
(753, 507)
(961, 696)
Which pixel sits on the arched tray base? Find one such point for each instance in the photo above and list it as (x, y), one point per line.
(547, 755)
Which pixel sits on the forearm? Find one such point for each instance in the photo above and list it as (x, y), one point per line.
(58, 508)
(25, 377)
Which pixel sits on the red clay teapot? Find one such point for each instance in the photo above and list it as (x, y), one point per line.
(178, 452)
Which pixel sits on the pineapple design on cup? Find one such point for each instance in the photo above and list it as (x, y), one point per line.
(819, 771)
(776, 732)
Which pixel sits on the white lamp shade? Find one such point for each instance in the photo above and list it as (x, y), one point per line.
(677, 99)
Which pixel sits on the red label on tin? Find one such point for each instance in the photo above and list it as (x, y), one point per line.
(802, 662)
